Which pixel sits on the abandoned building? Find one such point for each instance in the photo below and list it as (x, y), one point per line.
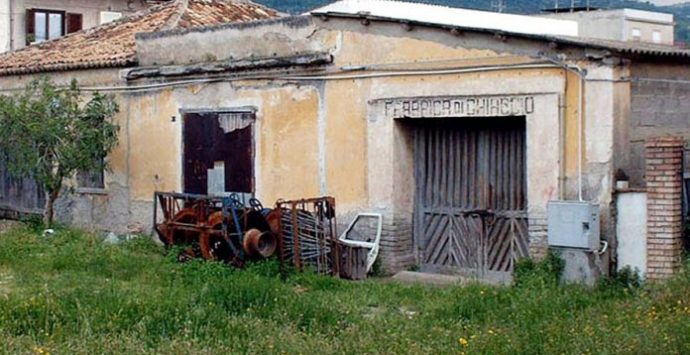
(460, 136)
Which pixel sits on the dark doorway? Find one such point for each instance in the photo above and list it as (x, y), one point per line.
(471, 200)
(218, 142)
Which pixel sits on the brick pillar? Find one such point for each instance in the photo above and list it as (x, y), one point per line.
(664, 206)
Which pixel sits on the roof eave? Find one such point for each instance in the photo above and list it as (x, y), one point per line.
(56, 68)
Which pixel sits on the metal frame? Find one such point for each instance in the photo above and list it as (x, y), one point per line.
(63, 24)
(307, 235)
(372, 246)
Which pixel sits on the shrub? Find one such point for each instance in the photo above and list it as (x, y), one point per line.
(546, 272)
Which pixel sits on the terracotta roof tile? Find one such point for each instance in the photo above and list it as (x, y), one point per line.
(113, 44)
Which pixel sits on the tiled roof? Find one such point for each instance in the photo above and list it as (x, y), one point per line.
(113, 44)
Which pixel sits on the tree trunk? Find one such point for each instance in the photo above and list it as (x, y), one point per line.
(48, 213)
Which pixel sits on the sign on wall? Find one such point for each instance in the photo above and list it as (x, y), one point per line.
(464, 106)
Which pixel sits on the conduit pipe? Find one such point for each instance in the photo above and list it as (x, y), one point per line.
(581, 74)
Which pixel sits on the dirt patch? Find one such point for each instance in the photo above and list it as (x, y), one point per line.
(6, 282)
(6, 224)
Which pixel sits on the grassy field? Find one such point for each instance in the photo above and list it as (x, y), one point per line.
(70, 293)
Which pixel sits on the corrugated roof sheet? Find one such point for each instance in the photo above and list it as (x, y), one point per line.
(632, 48)
(451, 16)
(113, 44)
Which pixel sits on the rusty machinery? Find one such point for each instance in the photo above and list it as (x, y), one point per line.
(307, 234)
(232, 229)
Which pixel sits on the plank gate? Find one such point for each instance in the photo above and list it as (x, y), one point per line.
(471, 196)
(19, 196)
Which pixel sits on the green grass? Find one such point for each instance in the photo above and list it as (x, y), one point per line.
(71, 294)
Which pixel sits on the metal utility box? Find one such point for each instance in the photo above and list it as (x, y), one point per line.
(573, 224)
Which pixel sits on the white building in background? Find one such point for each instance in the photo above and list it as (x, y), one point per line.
(23, 22)
(621, 25)
(452, 16)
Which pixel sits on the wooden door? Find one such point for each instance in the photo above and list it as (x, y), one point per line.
(471, 195)
(206, 143)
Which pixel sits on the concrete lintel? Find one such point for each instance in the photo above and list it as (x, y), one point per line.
(231, 66)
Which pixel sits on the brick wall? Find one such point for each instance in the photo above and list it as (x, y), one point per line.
(538, 236)
(396, 243)
(664, 206)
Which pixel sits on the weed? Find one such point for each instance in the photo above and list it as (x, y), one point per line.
(70, 293)
(413, 268)
(377, 269)
(625, 278)
(546, 272)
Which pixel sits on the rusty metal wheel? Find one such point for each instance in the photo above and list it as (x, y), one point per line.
(209, 242)
(171, 235)
(273, 220)
(260, 244)
(213, 244)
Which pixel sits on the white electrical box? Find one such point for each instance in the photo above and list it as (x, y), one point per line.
(573, 224)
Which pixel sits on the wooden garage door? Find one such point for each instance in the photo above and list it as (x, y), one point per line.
(471, 195)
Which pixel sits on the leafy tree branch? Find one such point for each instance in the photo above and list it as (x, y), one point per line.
(49, 134)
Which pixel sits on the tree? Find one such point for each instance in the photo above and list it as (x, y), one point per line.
(49, 134)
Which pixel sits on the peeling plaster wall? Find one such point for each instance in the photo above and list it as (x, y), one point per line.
(270, 38)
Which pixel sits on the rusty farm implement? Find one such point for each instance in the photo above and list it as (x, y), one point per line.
(232, 228)
(237, 228)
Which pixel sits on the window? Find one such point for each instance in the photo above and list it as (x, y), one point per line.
(636, 34)
(656, 36)
(92, 179)
(109, 16)
(43, 25)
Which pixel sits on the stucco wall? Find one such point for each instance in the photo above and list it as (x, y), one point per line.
(660, 106)
(647, 32)
(618, 24)
(271, 38)
(5, 25)
(632, 230)
(596, 24)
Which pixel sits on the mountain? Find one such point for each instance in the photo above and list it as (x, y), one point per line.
(667, 2)
(681, 11)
